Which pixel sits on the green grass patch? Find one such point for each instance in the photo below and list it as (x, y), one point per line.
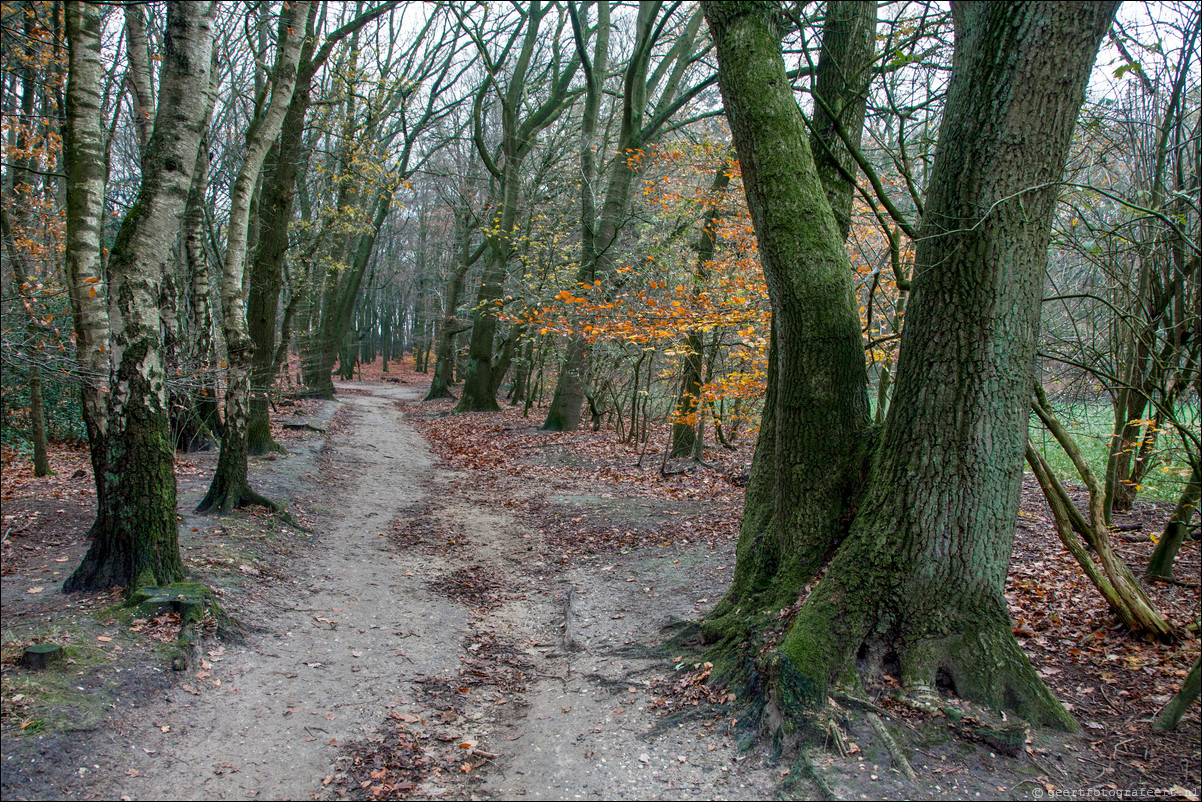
(1091, 426)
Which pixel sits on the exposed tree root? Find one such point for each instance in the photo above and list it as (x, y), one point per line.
(218, 501)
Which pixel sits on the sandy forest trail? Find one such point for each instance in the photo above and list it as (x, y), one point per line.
(364, 632)
(488, 623)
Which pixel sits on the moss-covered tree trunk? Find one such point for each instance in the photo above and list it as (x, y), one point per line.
(83, 156)
(814, 428)
(135, 534)
(920, 577)
(267, 267)
(230, 488)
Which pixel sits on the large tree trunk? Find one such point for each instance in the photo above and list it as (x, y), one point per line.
(920, 578)
(136, 536)
(230, 488)
(814, 429)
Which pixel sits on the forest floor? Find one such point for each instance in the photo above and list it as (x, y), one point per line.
(478, 613)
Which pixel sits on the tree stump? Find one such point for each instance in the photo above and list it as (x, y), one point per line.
(42, 655)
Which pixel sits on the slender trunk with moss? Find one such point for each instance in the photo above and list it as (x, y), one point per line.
(266, 272)
(685, 440)
(1168, 718)
(841, 83)
(83, 156)
(136, 536)
(1160, 564)
(230, 487)
(323, 346)
(920, 576)
(448, 326)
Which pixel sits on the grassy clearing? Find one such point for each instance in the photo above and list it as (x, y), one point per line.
(1091, 426)
(73, 694)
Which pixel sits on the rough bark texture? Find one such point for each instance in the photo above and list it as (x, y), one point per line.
(814, 427)
(921, 576)
(136, 536)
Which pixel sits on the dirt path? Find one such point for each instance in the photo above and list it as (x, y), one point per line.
(422, 602)
(428, 643)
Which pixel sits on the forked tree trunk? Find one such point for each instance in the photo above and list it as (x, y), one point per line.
(135, 535)
(1124, 594)
(230, 488)
(799, 499)
(920, 577)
